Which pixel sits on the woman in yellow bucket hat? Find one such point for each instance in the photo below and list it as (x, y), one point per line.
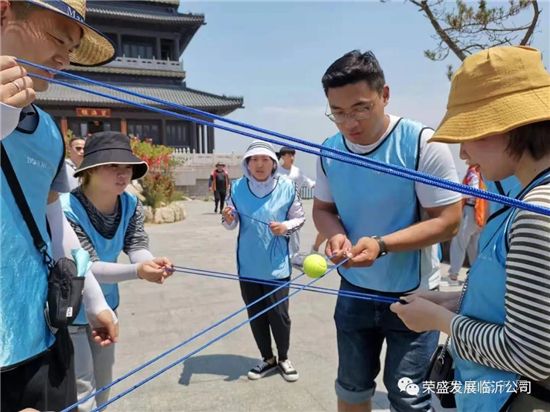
(499, 112)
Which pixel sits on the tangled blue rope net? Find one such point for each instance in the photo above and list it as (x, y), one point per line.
(212, 341)
(317, 289)
(178, 346)
(346, 157)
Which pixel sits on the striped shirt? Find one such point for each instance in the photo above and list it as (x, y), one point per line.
(522, 344)
(135, 237)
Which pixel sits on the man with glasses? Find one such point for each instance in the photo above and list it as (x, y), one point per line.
(387, 225)
(76, 155)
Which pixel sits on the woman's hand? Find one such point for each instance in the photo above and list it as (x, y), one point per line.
(449, 300)
(278, 228)
(228, 214)
(421, 315)
(151, 271)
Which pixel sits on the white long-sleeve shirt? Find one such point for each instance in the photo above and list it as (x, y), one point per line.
(296, 175)
(295, 217)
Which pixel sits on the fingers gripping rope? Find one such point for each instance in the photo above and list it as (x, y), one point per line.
(212, 341)
(323, 151)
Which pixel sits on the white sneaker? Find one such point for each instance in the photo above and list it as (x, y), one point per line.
(453, 280)
(287, 370)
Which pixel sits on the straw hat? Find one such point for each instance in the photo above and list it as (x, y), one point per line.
(95, 48)
(495, 91)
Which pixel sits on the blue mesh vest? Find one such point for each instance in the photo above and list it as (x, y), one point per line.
(260, 254)
(23, 275)
(484, 301)
(374, 203)
(107, 249)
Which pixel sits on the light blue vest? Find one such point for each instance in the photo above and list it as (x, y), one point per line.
(107, 249)
(484, 300)
(260, 254)
(510, 186)
(23, 275)
(373, 203)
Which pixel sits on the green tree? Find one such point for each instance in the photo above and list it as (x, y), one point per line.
(465, 27)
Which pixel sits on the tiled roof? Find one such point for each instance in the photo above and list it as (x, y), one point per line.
(172, 2)
(129, 71)
(179, 95)
(95, 9)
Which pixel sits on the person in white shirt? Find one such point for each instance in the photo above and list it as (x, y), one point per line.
(76, 154)
(385, 225)
(287, 156)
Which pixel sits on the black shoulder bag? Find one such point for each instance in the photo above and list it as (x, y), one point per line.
(441, 365)
(64, 286)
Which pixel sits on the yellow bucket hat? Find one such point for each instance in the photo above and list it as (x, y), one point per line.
(95, 48)
(495, 91)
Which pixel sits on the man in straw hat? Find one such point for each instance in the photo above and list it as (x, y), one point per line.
(36, 365)
(499, 113)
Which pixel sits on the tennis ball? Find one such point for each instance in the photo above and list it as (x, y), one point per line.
(315, 266)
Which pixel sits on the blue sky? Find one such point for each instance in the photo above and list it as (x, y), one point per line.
(275, 53)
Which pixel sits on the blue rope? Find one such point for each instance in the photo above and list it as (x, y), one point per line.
(210, 342)
(251, 218)
(292, 285)
(337, 154)
(178, 346)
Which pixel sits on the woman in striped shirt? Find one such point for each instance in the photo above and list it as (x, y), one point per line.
(499, 111)
(107, 220)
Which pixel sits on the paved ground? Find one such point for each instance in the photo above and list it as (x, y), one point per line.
(154, 318)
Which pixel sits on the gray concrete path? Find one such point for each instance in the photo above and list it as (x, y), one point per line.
(155, 317)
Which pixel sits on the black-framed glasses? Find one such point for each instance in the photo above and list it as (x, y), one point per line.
(362, 112)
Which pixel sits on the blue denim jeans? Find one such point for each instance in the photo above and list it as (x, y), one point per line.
(361, 328)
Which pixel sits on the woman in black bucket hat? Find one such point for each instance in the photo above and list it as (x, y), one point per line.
(108, 220)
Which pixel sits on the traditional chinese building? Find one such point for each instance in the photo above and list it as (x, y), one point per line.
(150, 37)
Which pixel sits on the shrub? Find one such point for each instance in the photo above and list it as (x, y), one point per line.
(158, 184)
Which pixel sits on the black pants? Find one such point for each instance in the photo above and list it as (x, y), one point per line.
(219, 197)
(46, 383)
(276, 319)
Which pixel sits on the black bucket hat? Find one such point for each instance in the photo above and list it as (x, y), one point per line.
(105, 148)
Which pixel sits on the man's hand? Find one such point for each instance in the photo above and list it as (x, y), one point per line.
(104, 327)
(228, 214)
(278, 228)
(338, 248)
(152, 271)
(364, 252)
(16, 88)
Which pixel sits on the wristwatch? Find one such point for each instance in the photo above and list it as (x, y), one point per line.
(382, 246)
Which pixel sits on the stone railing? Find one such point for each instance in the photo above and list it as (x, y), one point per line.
(151, 64)
(186, 157)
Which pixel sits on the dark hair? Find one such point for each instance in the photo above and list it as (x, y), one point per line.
(74, 139)
(354, 67)
(533, 138)
(286, 150)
